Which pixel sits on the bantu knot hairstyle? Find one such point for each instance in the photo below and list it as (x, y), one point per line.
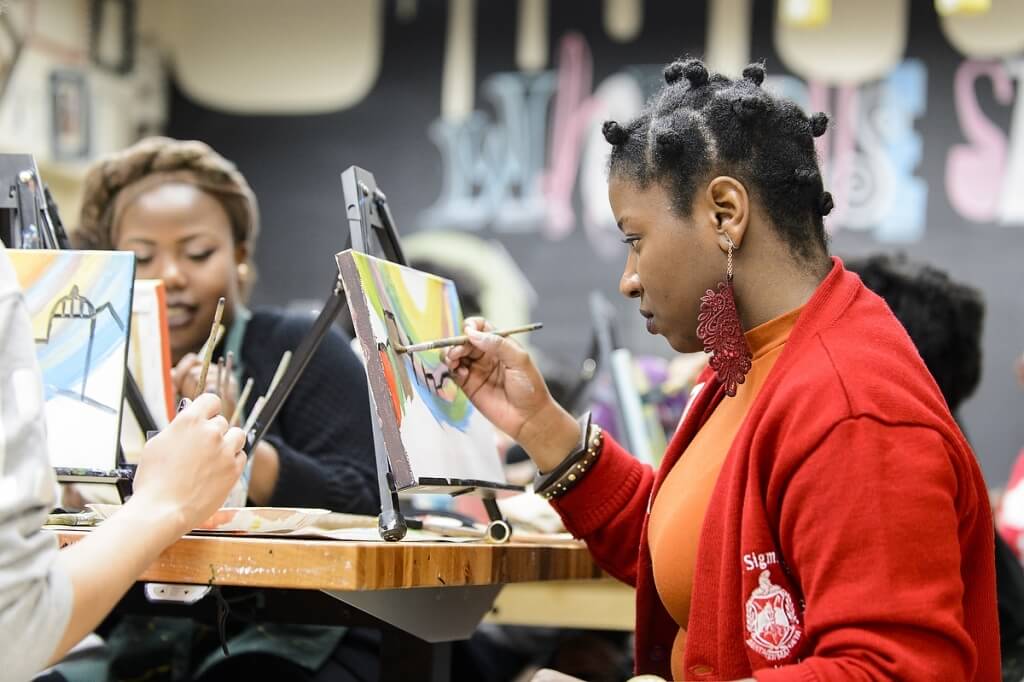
(826, 203)
(614, 133)
(754, 73)
(695, 72)
(673, 72)
(819, 124)
(701, 123)
(692, 69)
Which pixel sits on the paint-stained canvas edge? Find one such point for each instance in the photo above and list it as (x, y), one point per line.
(381, 395)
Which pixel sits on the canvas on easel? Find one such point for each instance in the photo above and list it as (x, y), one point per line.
(80, 306)
(149, 360)
(436, 440)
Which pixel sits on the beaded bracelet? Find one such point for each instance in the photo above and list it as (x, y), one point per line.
(543, 481)
(574, 473)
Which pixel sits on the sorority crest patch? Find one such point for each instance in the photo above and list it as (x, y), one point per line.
(771, 619)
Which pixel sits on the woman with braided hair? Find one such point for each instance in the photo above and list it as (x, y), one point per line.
(818, 514)
(192, 220)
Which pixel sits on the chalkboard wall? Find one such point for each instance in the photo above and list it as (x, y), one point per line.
(899, 181)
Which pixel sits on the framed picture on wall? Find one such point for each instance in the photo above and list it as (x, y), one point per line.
(10, 45)
(70, 127)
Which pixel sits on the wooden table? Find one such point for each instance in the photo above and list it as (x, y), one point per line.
(419, 594)
(287, 563)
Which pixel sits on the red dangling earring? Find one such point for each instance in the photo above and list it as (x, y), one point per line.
(718, 327)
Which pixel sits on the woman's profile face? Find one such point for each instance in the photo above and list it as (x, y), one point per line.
(182, 235)
(671, 261)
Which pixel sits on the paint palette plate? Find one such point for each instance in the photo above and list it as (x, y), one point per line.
(261, 519)
(244, 519)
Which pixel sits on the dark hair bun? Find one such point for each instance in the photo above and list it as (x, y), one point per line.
(673, 72)
(819, 124)
(614, 133)
(695, 72)
(754, 73)
(826, 203)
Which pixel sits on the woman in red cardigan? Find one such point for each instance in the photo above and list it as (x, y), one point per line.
(818, 514)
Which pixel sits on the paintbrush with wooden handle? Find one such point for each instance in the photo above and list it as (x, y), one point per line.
(211, 342)
(459, 340)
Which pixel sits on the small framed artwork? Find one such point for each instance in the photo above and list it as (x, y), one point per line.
(71, 132)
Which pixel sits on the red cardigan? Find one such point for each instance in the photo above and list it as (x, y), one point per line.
(849, 534)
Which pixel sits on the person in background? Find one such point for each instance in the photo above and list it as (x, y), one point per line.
(944, 319)
(50, 599)
(192, 221)
(818, 514)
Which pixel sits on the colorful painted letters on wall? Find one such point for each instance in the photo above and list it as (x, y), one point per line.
(517, 169)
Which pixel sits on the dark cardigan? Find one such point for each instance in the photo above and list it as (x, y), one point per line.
(322, 433)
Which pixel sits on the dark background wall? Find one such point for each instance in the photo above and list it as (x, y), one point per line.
(895, 186)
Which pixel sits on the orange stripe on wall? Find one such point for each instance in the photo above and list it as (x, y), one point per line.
(165, 349)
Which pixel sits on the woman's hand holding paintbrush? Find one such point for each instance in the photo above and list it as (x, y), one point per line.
(216, 333)
(186, 381)
(502, 381)
(199, 428)
(459, 340)
(192, 376)
(190, 466)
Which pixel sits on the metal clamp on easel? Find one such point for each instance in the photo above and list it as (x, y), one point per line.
(28, 214)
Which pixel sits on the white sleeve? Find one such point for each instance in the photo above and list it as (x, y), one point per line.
(35, 595)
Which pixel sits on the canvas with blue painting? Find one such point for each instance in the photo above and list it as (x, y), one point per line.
(80, 305)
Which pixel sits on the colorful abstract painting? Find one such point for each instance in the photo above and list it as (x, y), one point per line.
(430, 428)
(80, 304)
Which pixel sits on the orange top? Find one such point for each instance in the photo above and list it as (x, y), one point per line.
(677, 514)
